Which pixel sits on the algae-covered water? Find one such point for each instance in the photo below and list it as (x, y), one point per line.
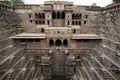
(58, 78)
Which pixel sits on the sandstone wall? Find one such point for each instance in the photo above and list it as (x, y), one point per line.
(104, 58)
(14, 64)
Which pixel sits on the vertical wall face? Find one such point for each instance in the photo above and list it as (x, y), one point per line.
(57, 14)
(10, 53)
(85, 59)
(109, 50)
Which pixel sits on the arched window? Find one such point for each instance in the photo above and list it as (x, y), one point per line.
(43, 22)
(36, 15)
(72, 22)
(85, 22)
(43, 15)
(68, 23)
(42, 30)
(76, 16)
(79, 22)
(39, 16)
(48, 22)
(39, 22)
(30, 15)
(80, 16)
(63, 15)
(76, 22)
(51, 43)
(58, 15)
(53, 15)
(65, 43)
(74, 31)
(73, 16)
(58, 43)
(36, 22)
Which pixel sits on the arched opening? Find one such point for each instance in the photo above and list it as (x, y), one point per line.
(39, 16)
(58, 15)
(36, 22)
(74, 31)
(43, 15)
(73, 15)
(72, 22)
(63, 15)
(51, 43)
(53, 15)
(76, 16)
(43, 22)
(86, 16)
(36, 15)
(58, 43)
(48, 22)
(79, 22)
(42, 30)
(76, 22)
(39, 22)
(30, 15)
(68, 23)
(80, 16)
(85, 22)
(65, 43)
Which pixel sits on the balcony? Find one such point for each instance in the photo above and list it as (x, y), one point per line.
(47, 8)
(68, 8)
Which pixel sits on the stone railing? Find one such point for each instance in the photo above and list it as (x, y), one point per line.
(68, 8)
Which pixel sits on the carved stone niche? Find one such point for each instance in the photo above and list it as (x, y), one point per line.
(70, 66)
(46, 66)
(45, 60)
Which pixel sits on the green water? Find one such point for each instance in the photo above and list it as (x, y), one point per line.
(58, 78)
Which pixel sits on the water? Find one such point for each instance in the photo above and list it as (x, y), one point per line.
(58, 78)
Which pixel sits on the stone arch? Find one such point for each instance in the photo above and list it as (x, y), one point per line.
(36, 15)
(58, 43)
(53, 15)
(58, 15)
(65, 43)
(51, 43)
(39, 22)
(43, 15)
(68, 23)
(48, 22)
(73, 16)
(42, 30)
(76, 16)
(85, 22)
(76, 22)
(80, 16)
(79, 22)
(39, 16)
(74, 31)
(72, 22)
(43, 22)
(36, 22)
(63, 15)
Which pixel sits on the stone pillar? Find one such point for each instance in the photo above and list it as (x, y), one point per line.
(70, 66)
(46, 67)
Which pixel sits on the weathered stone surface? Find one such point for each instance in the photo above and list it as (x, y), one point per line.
(49, 49)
